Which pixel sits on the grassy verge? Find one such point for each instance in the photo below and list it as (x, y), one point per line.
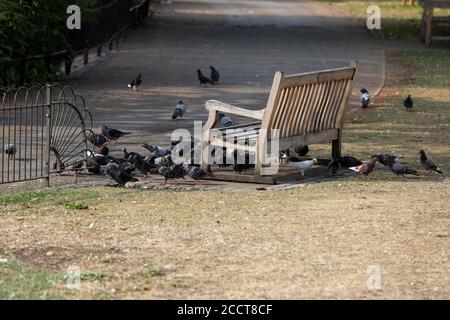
(398, 21)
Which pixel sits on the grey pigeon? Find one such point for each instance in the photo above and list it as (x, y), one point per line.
(400, 169)
(156, 151)
(225, 121)
(121, 177)
(215, 75)
(113, 134)
(427, 164)
(180, 110)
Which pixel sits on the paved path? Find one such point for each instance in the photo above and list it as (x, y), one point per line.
(246, 40)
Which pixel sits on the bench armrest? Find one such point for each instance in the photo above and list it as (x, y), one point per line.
(214, 105)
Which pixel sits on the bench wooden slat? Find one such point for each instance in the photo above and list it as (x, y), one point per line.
(307, 109)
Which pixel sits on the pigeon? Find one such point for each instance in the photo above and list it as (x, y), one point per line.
(113, 134)
(225, 121)
(10, 150)
(175, 171)
(135, 84)
(336, 164)
(238, 166)
(180, 110)
(203, 79)
(215, 75)
(303, 166)
(195, 172)
(164, 161)
(94, 162)
(344, 162)
(141, 164)
(385, 158)
(400, 169)
(101, 159)
(127, 155)
(156, 151)
(97, 140)
(427, 164)
(365, 98)
(366, 168)
(121, 177)
(302, 151)
(127, 167)
(408, 103)
(103, 150)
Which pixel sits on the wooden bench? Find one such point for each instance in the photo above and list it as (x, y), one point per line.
(306, 109)
(428, 20)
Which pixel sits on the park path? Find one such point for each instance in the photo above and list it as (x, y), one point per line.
(246, 40)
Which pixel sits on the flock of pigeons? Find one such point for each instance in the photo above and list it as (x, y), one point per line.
(365, 168)
(158, 160)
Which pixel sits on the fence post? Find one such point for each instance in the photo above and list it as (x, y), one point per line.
(48, 102)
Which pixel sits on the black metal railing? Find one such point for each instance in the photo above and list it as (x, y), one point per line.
(42, 131)
(105, 26)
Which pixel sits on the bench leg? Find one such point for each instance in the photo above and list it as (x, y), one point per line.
(427, 19)
(336, 146)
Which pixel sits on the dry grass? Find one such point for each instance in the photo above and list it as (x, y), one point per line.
(316, 241)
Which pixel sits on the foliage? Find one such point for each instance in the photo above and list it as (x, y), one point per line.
(35, 27)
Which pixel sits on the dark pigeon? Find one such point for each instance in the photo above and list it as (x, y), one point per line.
(98, 140)
(408, 103)
(10, 150)
(173, 172)
(113, 134)
(302, 151)
(215, 75)
(203, 79)
(386, 158)
(103, 150)
(136, 83)
(427, 164)
(121, 177)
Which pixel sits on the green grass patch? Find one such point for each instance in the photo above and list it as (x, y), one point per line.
(24, 283)
(93, 276)
(77, 206)
(398, 21)
(432, 68)
(57, 197)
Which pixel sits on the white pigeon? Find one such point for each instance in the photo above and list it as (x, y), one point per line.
(303, 166)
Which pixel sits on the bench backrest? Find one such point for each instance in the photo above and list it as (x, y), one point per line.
(309, 102)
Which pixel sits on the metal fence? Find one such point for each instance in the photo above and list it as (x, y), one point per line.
(42, 131)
